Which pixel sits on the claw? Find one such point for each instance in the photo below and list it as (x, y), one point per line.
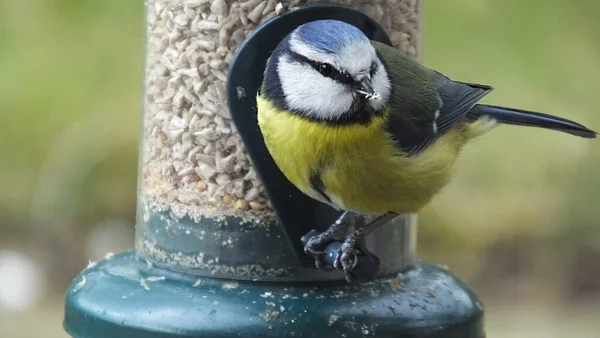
(336, 262)
(310, 251)
(355, 262)
(318, 263)
(316, 245)
(347, 256)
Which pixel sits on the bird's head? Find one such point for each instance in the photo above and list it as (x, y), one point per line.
(327, 70)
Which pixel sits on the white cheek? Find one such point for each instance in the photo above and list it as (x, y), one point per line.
(381, 85)
(309, 92)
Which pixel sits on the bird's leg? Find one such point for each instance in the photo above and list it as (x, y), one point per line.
(336, 233)
(355, 245)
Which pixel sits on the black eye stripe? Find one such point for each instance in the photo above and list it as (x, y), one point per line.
(374, 68)
(335, 75)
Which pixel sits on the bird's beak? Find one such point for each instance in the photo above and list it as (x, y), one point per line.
(365, 87)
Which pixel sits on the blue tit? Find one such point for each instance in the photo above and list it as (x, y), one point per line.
(356, 124)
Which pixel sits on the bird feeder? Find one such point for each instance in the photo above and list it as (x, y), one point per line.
(219, 229)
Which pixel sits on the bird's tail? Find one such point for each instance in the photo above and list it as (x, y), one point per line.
(530, 119)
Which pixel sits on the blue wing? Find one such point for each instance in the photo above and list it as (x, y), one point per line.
(424, 104)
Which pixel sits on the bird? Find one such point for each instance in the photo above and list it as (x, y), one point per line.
(360, 126)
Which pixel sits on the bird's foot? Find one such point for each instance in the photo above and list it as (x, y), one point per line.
(316, 246)
(347, 258)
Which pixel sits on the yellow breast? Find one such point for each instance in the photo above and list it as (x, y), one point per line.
(361, 170)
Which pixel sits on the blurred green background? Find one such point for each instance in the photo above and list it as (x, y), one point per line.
(519, 222)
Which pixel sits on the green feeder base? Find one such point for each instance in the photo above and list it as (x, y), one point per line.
(126, 297)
